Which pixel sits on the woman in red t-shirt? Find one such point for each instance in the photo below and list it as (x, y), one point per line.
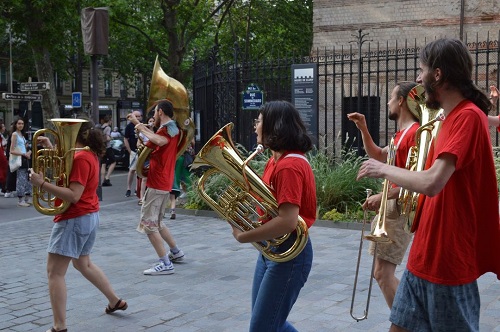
(276, 286)
(74, 231)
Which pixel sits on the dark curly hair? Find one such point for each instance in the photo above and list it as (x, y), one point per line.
(282, 127)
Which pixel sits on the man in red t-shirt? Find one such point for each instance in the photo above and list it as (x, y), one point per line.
(458, 235)
(159, 184)
(390, 254)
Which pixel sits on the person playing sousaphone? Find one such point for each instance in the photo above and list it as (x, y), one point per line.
(159, 183)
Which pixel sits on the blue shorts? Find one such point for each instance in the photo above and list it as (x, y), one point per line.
(74, 237)
(420, 305)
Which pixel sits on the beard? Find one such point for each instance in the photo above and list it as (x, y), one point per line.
(157, 122)
(431, 96)
(393, 116)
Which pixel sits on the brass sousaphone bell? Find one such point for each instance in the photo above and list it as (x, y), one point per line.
(164, 87)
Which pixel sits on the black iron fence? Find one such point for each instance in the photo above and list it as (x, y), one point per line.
(347, 82)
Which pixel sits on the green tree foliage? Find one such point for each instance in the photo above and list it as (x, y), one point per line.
(48, 38)
(267, 28)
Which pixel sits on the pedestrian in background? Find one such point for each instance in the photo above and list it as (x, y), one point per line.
(130, 142)
(108, 160)
(10, 182)
(4, 165)
(142, 140)
(18, 147)
(75, 230)
(182, 178)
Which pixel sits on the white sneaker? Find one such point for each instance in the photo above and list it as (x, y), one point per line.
(178, 257)
(8, 195)
(23, 204)
(160, 268)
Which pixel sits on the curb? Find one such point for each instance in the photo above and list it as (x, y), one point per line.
(321, 223)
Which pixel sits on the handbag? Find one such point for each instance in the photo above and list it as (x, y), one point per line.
(14, 162)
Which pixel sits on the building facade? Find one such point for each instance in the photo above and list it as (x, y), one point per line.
(336, 22)
(116, 97)
(363, 47)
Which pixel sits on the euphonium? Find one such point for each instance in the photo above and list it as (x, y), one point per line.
(165, 87)
(56, 163)
(430, 123)
(237, 204)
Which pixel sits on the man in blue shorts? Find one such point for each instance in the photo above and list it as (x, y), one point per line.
(458, 229)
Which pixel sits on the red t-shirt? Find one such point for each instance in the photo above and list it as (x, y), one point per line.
(458, 238)
(293, 182)
(408, 140)
(162, 162)
(85, 171)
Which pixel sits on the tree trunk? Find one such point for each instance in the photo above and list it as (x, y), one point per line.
(45, 73)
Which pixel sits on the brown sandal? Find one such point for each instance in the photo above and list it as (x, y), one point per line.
(117, 306)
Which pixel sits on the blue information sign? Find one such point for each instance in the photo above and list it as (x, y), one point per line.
(76, 100)
(252, 97)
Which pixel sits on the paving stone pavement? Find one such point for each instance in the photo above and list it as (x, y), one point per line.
(210, 291)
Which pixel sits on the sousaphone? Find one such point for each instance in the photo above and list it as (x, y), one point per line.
(165, 87)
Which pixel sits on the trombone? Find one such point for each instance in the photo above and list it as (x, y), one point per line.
(365, 314)
(377, 235)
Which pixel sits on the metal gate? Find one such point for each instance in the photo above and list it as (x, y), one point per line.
(344, 79)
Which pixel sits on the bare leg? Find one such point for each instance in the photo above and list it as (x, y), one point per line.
(103, 172)
(96, 276)
(385, 275)
(143, 187)
(57, 266)
(157, 242)
(165, 235)
(172, 201)
(110, 170)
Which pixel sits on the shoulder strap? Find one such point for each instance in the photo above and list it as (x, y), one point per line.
(296, 155)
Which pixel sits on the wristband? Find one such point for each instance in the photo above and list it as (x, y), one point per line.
(41, 186)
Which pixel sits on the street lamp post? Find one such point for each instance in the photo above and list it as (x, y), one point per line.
(11, 72)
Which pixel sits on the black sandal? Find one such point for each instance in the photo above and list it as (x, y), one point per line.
(52, 329)
(117, 306)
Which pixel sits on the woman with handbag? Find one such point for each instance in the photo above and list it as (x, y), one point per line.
(18, 149)
(4, 165)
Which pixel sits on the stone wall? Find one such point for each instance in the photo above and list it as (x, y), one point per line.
(336, 22)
